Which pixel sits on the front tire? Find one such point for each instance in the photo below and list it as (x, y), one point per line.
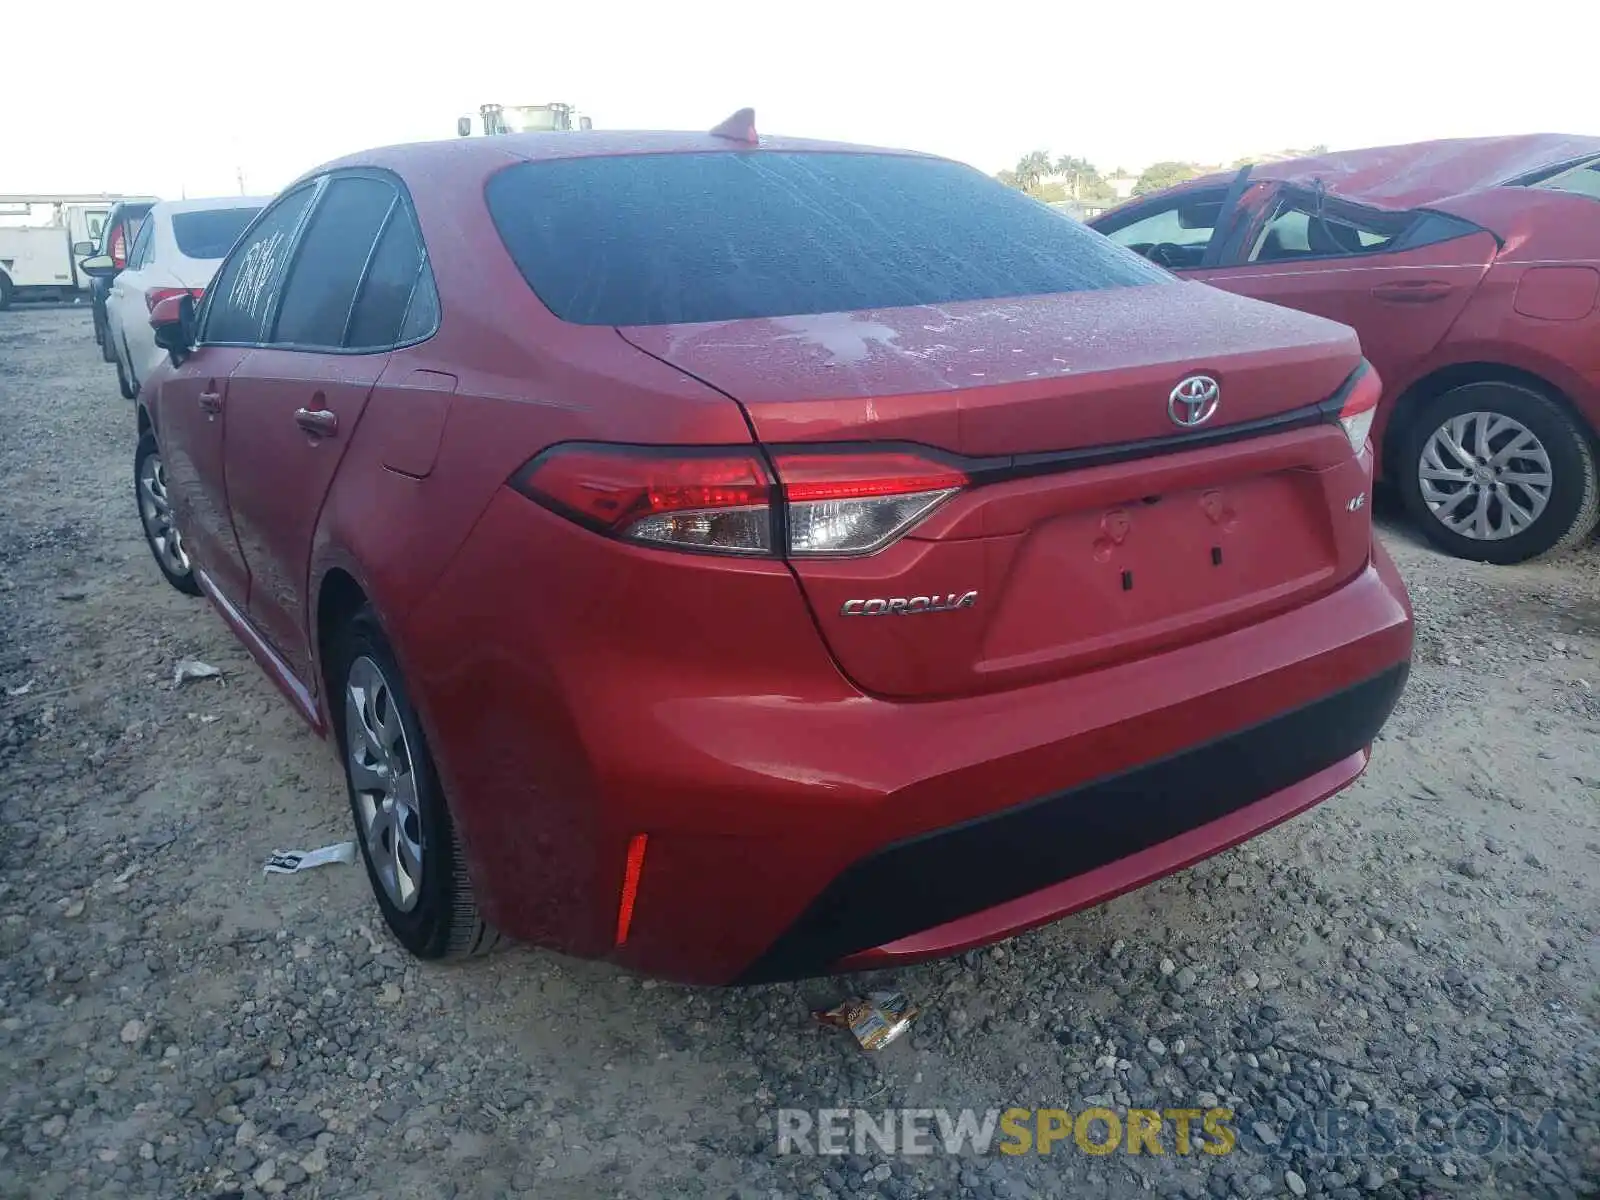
(6, 290)
(124, 383)
(155, 515)
(1499, 473)
(403, 826)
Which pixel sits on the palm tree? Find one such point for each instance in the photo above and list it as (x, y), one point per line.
(1077, 172)
(1032, 170)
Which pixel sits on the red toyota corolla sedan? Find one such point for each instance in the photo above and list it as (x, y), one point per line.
(747, 559)
(1471, 271)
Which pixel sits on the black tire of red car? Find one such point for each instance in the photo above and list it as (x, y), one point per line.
(444, 922)
(1573, 508)
(124, 383)
(147, 502)
(5, 290)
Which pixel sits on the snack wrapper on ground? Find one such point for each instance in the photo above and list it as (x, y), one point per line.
(876, 1019)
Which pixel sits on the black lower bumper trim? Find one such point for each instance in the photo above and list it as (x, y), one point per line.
(947, 874)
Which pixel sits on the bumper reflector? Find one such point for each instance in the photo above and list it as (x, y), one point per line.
(630, 884)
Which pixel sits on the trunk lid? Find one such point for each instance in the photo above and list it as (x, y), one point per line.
(1097, 529)
(1039, 373)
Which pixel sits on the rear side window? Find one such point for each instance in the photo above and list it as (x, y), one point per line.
(422, 314)
(328, 265)
(210, 233)
(397, 264)
(140, 254)
(239, 301)
(1303, 228)
(665, 238)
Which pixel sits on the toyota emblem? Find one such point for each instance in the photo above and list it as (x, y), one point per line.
(1193, 401)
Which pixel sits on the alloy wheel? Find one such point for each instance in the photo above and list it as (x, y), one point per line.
(383, 778)
(155, 510)
(1485, 476)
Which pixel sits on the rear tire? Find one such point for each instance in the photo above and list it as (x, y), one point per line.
(6, 290)
(1513, 453)
(408, 841)
(156, 517)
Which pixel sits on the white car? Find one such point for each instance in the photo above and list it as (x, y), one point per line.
(179, 247)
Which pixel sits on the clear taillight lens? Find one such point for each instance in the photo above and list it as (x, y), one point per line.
(857, 502)
(832, 502)
(1359, 409)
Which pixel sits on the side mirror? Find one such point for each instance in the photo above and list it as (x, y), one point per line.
(82, 249)
(97, 266)
(463, 126)
(173, 321)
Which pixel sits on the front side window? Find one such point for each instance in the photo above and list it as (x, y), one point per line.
(239, 303)
(210, 232)
(329, 263)
(654, 239)
(1177, 234)
(1300, 227)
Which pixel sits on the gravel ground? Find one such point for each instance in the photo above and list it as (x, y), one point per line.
(174, 1023)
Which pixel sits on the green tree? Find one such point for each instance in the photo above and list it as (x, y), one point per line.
(1032, 170)
(1076, 173)
(1163, 175)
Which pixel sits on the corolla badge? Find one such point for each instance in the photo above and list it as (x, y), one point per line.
(1194, 401)
(907, 605)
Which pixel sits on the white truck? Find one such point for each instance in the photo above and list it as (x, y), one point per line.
(494, 119)
(42, 237)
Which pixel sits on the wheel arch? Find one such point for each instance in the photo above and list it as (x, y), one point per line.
(340, 596)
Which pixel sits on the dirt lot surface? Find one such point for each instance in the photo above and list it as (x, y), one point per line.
(173, 1022)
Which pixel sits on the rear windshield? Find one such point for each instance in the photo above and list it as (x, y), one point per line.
(659, 239)
(210, 232)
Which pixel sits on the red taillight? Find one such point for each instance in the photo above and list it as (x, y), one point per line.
(834, 501)
(1360, 407)
(156, 295)
(703, 500)
(119, 247)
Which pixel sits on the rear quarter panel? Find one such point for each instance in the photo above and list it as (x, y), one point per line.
(1536, 310)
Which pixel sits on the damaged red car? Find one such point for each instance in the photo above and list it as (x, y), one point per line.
(1471, 270)
(743, 559)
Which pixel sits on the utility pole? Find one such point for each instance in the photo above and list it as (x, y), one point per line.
(239, 173)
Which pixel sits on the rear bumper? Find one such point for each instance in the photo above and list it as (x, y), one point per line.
(796, 826)
(989, 878)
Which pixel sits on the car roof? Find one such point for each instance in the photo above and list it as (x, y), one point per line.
(1422, 173)
(169, 207)
(504, 149)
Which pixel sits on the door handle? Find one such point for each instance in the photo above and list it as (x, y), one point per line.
(317, 422)
(1413, 291)
(211, 402)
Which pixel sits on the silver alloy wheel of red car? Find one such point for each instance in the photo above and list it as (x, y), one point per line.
(1485, 475)
(383, 779)
(155, 510)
